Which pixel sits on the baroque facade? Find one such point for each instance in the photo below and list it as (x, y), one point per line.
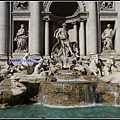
(33, 23)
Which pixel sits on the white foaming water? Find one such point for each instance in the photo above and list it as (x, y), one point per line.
(116, 105)
(78, 79)
(75, 106)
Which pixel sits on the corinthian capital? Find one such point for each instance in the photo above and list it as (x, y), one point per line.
(74, 22)
(82, 19)
(46, 18)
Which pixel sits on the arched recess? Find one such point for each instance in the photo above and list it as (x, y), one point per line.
(48, 4)
(56, 13)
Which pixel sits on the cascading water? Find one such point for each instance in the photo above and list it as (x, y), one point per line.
(89, 94)
(70, 89)
(97, 96)
(116, 97)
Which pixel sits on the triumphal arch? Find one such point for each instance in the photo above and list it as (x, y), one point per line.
(29, 26)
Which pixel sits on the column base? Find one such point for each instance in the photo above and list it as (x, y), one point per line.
(21, 55)
(36, 56)
(4, 56)
(46, 57)
(108, 53)
(82, 55)
(3, 59)
(18, 55)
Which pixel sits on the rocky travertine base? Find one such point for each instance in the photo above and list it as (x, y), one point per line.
(67, 93)
(21, 89)
(105, 90)
(12, 93)
(108, 93)
(68, 75)
(76, 93)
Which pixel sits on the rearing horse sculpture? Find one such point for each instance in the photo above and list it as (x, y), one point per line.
(94, 66)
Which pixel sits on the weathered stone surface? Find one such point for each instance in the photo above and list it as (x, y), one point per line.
(108, 93)
(68, 74)
(31, 79)
(66, 93)
(12, 95)
(17, 88)
(4, 105)
(76, 93)
(32, 90)
(112, 78)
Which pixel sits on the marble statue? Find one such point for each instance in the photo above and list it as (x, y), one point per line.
(25, 65)
(107, 37)
(39, 67)
(79, 66)
(64, 53)
(93, 67)
(21, 38)
(53, 69)
(62, 35)
(17, 87)
(110, 62)
(12, 68)
(56, 60)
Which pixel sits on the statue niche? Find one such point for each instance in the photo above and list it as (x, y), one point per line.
(107, 38)
(21, 39)
(63, 47)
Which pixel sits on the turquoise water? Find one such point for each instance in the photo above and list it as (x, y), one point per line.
(42, 111)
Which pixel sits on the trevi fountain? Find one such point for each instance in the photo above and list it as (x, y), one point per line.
(70, 71)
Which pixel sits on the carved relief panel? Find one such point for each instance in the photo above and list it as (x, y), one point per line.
(106, 5)
(20, 5)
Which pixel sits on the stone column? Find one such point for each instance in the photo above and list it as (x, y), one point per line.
(3, 27)
(117, 25)
(75, 36)
(75, 31)
(46, 18)
(82, 38)
(34, 40)
(53, 30)
(92, 42)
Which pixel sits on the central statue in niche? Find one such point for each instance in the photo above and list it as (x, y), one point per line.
(62, 35)
(64, 50)
(63, 46)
